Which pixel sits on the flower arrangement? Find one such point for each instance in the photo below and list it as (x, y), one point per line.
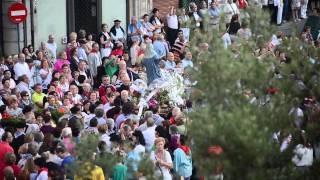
(56, 114)
(11, 121)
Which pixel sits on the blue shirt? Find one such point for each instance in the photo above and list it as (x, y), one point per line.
(159, 48)
(170, 64)
(182, 163)
(152, 68)
(186, 63)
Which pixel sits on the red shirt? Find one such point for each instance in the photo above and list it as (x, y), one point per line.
(4, 149)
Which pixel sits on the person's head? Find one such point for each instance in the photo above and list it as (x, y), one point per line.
(230, 1)
(117, 23)
(155, 12)
(180, 34)
(105, 80)
(160, 142)
(162, 64)
(188, 55)
(25, 51)
(51, 39)
(12, 101)
(75, 110)
(145, 17)
(30, 48)
(38, 88)
(62, 55)
(244, 25)
(24, 95)
(150, 122)
(214, 3)
(86, 87)
(193, 7)
(21, 58)
(6, 83)
(93, 122)
(138, 138)
(124, 95)
(74, 89)
(82, 65)
(235, 18)
(104, 27)
(127, 108)
(134, 20)
(95, 46)
(93, 96)
(99, 112)
(203, 4)
(7, 137)
(170, 56)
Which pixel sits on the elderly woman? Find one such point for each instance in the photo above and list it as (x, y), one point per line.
(162, 160)
(61, 61)
(13, 109)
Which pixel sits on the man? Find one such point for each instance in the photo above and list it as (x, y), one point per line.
(21, 67)
(117, 32)
(68, 159)
(135, 29)
(52, 46)
(194, 16)
(75, 122)
(149, 134)
(19, 136)
(229, 8)
(214, 13)
(170, 64)
(173, 25)
(5, 91)
(104, 85)
(159, 46)
(187, 61)
(99, 116)
(76, 98)
(94, 59)
(148, 28)
(179, 46)
(38, 96)
(84, 71)
(5, 147)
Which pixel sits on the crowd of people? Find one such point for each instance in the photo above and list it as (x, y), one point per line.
(111, 87)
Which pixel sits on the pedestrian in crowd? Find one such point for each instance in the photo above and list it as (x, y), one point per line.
(105, 42)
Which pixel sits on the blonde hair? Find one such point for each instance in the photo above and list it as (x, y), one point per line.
(159, 139)
(73, 36)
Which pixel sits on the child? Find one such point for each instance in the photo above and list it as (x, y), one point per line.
(295, 5)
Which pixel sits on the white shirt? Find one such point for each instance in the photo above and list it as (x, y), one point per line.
(139, 149)
(101, 121)
(226, 40)
(22, 86)
(119, 34)
(303, 156)
(172, 21)
(21, 69)
(149, 136)
(53, 48)
(165, 171)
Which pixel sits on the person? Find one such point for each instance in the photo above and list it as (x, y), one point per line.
(7, 75)
(5, 147)
(214, 14)
(119, 170)
(134, 29)
(94, 60)
(139, 142)
(183, 21)
(52, 46)
(149, 133)
(156, 21)
(117, 33)
(82, 50)
(194, 16)
(162, 160)
(203, 13)
(74, 59)
(151, 62)
(179, 46)
(244, 32)
(170, 64)
(182, 163)
(105, 43)
(23, 84)
(21, 67)
(303, 154)
(61, 61)
(148, 28)
(45, 75)
(295, 5)
(279, 5)
(187, 61)
(230, 9)
(38, 97)
(173, 25)
(75, 122)
(134, 51)
(234, 25)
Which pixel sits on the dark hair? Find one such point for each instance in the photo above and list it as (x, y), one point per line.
(74, 110)
(92, 107)
(5, 136)
(72, 51)
(154, 10)
(112, 112)
(138, 134)
(102, 25)
(24, 93)
(27, 109)
(4, 80)
(145, 15)
(81, 78)
(41, 162)
(127, 108)
(36, 85)
(93, 122)
(46, 118)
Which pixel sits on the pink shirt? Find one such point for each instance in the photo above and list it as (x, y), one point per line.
(58, 65)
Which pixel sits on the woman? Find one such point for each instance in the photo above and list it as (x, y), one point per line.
(162, 160)
(156, 21)
(64, 84)
(148, 28)
(13, 109)
(139, 142)
(26, 52)
(7, 75)
(89, 40)
(8, 61)
(66, 72)
(61, 61)
(45, 76)
(234, 25)
(52, 103)
(25, 100)
(93, 97)
(182, 162)
(105, 41)
(32, 52)
(74, 59)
